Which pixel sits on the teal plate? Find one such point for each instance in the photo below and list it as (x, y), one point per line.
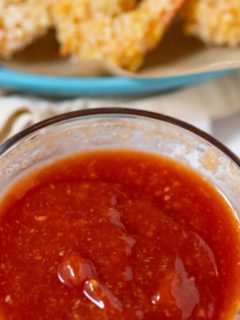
(95, 86)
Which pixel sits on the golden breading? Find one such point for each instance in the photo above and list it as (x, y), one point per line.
(214, 21)
(122, 39)
(21, 22)
(85, 9)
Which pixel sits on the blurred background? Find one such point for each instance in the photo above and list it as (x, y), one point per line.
(178, 57)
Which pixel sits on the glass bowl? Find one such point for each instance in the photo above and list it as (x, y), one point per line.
(112, 128)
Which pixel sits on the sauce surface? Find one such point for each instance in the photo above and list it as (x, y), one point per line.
(117, 235)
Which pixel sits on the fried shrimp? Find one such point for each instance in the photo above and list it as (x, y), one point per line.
(21, 22)
(214, 21)
(122, 32)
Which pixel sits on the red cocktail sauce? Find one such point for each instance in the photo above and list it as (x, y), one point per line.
(117, 235)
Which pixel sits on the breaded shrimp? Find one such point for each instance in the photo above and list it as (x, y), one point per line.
(21, 22)
(121, 38)
(214, 21)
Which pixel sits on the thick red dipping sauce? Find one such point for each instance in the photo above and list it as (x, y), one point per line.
(117, 235)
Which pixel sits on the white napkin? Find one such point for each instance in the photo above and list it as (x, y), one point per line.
(201, 105)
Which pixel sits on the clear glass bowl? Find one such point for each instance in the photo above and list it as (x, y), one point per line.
(121, 128)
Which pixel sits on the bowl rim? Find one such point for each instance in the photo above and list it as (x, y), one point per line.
(9, 143)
